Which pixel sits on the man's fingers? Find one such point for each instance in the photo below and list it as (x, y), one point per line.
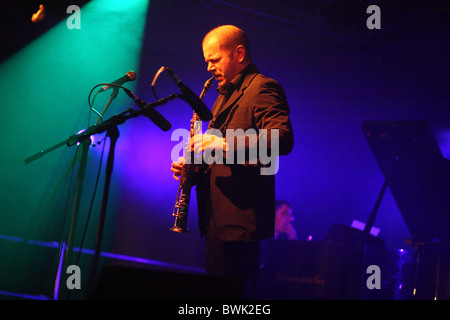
(176, 168)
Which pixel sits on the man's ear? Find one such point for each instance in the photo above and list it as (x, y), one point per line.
(240, 53)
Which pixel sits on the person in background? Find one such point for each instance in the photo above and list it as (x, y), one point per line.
(283, 221)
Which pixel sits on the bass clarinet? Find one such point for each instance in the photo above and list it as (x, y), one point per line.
(180, 211)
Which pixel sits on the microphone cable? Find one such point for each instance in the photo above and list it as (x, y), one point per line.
(154, 81)
(91, 104)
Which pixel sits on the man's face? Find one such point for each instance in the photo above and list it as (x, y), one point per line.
(221, 63)
(283, 215)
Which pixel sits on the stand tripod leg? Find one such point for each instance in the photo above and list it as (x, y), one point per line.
(58, 272)
(113, 134)
(85, 144)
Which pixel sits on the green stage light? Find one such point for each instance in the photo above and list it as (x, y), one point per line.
(44, 101)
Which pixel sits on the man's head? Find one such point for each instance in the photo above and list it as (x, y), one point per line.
(283, 213)
(226, 51)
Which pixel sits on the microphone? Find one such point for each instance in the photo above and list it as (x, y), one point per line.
(190, 97)
(152, 114)
(130, 76)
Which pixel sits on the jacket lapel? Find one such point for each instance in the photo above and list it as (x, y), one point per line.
(220, 113)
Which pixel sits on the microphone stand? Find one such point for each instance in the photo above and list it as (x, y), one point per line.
(113, 96)
(110, 126)
(84, 145)
(113, 134)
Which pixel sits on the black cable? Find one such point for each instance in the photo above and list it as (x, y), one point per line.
(66, 213)
(99, 170)
(92, 103)
(69, 193)
(154, 81)
(92, 203)
(93, 110)
(89, 213)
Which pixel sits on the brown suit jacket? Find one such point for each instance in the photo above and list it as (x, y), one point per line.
(235, 201)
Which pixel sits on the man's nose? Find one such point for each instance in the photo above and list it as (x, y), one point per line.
(211, 67)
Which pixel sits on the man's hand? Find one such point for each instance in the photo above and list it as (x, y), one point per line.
(286, 227)
(202, 142)
(283, 224)
(176, 168)
(199, 143)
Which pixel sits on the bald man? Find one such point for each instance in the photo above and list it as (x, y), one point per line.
(236, 200)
